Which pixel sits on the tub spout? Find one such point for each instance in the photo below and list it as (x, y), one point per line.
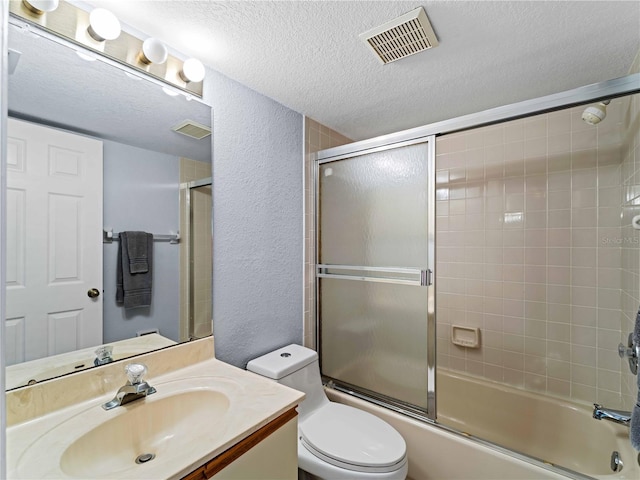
(617, 416)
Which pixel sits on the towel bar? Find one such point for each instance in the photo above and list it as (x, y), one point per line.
(108, 236)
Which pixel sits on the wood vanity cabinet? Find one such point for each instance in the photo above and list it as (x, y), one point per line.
(268, 454)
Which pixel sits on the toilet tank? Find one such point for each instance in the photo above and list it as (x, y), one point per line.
(296, 367)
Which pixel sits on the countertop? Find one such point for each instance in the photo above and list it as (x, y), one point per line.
(35, 447)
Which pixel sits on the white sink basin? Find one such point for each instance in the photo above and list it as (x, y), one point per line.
(172, 424)
(158, 428)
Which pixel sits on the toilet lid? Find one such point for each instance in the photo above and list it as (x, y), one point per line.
(353, 439)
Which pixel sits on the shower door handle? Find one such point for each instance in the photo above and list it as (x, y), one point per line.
(396, 275)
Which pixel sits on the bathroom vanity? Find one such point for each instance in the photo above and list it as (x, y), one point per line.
(268, 453)
(207, 419)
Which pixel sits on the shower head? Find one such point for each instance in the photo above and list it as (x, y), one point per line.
(594, 114)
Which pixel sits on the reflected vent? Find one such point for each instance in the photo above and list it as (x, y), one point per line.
(192, 129)
(406, 35)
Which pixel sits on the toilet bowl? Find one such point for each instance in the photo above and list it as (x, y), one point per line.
(335, 441)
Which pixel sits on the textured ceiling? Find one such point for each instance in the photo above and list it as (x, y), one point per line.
(307, 54)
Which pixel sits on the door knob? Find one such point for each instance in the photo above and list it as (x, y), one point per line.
(93, 293)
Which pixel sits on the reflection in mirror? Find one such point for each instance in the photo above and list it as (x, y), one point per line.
(91, 148)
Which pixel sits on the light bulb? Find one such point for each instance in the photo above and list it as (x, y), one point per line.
(192, 70)
(40, 7)
(153, 51)
(103, 25)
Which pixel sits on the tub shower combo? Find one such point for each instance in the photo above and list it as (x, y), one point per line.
(508, 243)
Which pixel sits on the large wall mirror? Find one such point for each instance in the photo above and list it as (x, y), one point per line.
(91, 149)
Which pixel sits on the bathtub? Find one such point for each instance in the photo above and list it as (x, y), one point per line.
(553, 431)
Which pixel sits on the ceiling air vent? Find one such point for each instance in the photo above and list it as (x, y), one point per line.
(192, 129)
(408, 34)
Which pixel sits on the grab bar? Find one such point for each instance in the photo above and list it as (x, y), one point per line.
(423, 277)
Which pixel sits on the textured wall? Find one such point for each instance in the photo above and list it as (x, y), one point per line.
(141, 193)
(257, 221)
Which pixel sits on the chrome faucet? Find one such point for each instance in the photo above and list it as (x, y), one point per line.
(104, 355)
(617, 416)
(135, 388)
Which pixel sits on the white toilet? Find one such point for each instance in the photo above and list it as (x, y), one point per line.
(335, 441)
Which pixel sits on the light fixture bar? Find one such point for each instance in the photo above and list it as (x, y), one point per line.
(133, 73)
(71, 23)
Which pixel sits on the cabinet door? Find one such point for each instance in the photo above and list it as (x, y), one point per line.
(274, 458)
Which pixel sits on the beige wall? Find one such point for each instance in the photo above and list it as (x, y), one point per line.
(202, 258)
(630, 238)
(316, 137)
(528, 250)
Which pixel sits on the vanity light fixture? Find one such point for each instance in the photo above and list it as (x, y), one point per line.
(192, 70)
(101, 36)
(40, 7)
(103, 25)
(153, 51)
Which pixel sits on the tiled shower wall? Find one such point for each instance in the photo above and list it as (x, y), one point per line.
(316, 137)
(630, 238)
(527, 229)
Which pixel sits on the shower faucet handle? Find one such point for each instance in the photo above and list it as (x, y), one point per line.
(632, 352)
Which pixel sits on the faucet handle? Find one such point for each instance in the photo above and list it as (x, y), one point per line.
(104, 352)
(135, 372)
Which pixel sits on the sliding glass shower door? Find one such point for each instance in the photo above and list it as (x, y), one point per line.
(373, 271)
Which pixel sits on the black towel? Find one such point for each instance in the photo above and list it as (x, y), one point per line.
(133, 289)
(138, 251)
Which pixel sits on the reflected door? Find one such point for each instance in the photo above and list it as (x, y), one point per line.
(54, 242)
(373, 272)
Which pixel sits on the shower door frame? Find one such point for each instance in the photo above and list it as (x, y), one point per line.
(609, 89)
(189, 220)
(426, 280)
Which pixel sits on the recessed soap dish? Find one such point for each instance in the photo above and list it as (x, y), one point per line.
(468, 337)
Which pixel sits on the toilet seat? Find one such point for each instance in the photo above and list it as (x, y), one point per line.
(352, 439)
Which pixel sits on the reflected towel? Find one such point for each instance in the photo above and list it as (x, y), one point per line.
(133, 290)
(137, 249)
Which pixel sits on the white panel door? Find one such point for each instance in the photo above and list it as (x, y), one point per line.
(54, 241)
